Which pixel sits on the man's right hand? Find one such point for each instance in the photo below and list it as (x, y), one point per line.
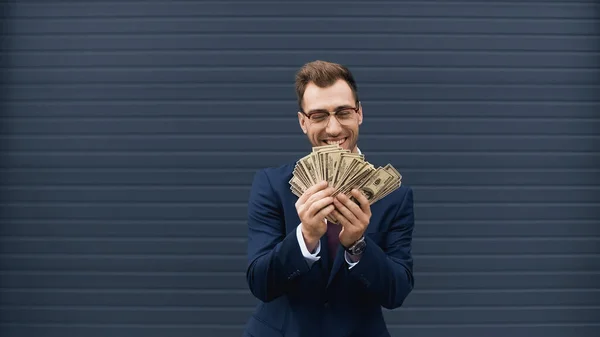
(312, 207)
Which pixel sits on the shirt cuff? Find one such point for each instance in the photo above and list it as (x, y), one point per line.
(310, 258)
(349, 262)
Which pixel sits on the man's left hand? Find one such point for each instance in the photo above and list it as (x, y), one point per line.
(353, 218)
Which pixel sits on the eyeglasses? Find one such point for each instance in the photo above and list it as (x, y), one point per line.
(343, 115)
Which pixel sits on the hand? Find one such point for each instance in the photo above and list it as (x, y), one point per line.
(313, 206)
(353, 218)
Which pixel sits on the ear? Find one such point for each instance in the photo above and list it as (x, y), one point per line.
(360, 113)
(302, 122)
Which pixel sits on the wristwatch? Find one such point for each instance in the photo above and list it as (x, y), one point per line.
(358, 247)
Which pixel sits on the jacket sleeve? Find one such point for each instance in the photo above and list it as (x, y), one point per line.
(388, 275)
(275, 261)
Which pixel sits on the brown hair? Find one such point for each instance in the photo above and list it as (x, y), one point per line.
(322, 74)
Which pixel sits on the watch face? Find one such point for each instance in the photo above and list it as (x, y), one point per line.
(358, 248)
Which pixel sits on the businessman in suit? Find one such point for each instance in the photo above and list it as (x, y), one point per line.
(315, 278)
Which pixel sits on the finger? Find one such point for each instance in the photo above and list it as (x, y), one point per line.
(341, 208)
(315, 207)
(356, 209)
(312, 190)
(320, 195)
(351, 205)
(325, 211)
(362, 199)
(341, 219)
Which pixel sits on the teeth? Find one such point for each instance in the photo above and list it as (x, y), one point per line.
(336, 142)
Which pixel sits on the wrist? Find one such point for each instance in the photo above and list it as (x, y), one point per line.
(349, 242)
(310, 240)
(357, 248)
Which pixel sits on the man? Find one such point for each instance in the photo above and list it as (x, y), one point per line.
(314, 278)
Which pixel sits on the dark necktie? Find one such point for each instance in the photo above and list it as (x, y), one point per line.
(333, 241)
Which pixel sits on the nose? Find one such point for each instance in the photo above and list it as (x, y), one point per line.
(333, 126)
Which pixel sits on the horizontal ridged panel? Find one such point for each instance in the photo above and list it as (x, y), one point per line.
(402, 74)
(273, 108)
(190, 142)
(433, 316)
(234, 194)
(130, 133)
(81, 92)
(289, 127)
(237, 246)
(190, 298)
(223, 211)
(300, 41)
(190, 330)
(336, 25)
(248, 160)
(451, 229)
(219, 281)
(287, 58)
(406, 10)
(226, 177)
(215, 262)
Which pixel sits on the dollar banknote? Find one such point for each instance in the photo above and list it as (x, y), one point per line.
(344, 171)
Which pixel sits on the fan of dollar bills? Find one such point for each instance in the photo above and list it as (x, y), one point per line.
(344, 171)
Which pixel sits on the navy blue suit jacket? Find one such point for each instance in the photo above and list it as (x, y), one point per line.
(323, 300)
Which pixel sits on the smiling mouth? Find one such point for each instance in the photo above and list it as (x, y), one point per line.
(335, 141)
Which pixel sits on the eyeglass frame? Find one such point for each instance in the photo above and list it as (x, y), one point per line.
(334, 113)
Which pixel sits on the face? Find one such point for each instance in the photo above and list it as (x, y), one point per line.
(343, 130)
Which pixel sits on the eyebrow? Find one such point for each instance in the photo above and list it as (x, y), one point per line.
(337, 108)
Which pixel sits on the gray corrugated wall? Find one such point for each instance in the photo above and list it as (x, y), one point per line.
(130, 132)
